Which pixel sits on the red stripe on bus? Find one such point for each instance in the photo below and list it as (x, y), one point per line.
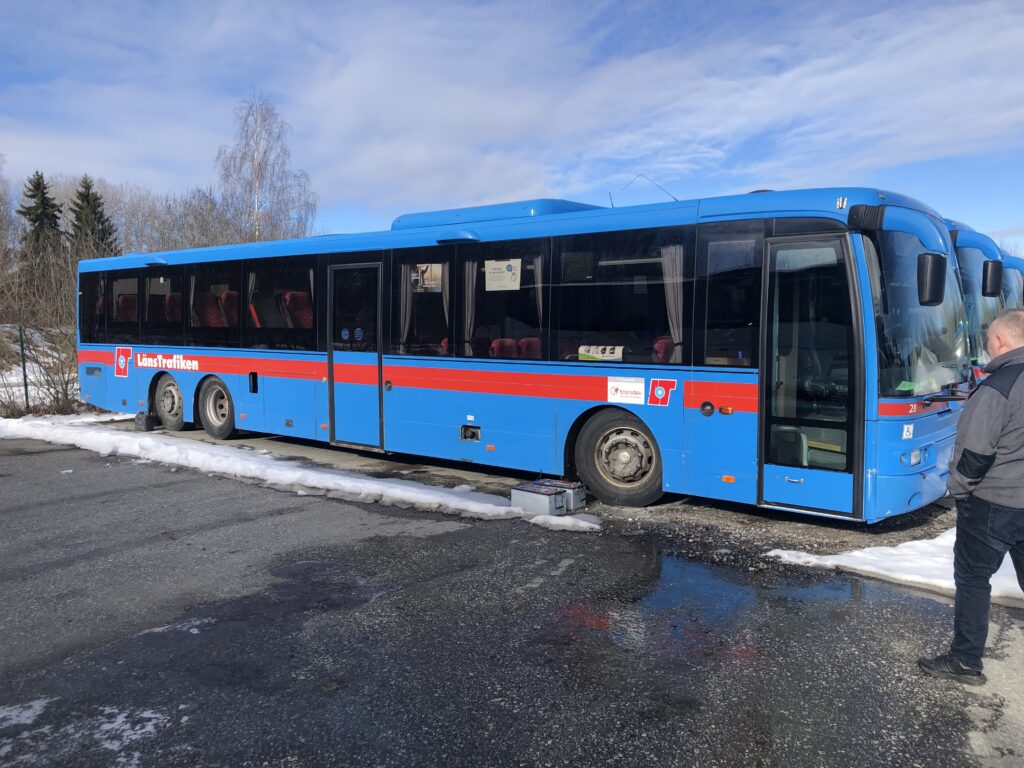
(351, 373)
(561, 386)
(102, 356)
(908, 409)
(742, 398)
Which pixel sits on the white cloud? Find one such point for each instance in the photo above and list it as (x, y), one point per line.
(412, 105)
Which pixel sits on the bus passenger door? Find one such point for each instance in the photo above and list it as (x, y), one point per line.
(354, 356)
(811, 374)
(720, 395)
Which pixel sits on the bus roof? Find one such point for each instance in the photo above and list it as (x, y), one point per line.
(535, 218)
(969, 237)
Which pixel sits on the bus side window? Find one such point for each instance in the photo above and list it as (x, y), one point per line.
(122, 310)
(422, 299)
(623, 297)
(161, 306)
(504, 299)
(278, 305)
(91, 303)
(211, 312)
(729, 259)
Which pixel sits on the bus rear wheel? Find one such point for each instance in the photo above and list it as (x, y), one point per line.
(217, 409)
(619, 460)
(168, 404)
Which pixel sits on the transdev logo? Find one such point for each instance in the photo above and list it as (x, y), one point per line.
(166, 362)
(661, 391)
(122, 357)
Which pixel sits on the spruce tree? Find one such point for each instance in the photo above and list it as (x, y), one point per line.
(92, 232)
(41, 212)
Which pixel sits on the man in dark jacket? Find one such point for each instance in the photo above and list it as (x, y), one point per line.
(986, 477)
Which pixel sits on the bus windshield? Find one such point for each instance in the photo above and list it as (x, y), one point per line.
(981, 310)
(920, 349)
(1013, 287)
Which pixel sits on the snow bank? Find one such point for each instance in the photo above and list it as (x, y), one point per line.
(83, 432)
(926, 563)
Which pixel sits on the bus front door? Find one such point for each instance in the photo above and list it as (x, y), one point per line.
(810, 378)
(354, 357)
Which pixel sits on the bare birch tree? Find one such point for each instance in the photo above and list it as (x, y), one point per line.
(260, 191)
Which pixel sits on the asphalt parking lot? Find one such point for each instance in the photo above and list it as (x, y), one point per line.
(155, 616)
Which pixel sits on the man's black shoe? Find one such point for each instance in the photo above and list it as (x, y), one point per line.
(950, 668)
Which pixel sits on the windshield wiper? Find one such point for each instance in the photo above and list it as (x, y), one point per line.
(951, 396)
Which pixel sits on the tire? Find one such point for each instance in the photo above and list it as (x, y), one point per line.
(216, 409)
(169, 404)
(619, 460)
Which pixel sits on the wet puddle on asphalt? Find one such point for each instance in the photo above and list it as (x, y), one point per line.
(693, 609)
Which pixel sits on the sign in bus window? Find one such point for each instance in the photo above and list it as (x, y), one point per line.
(502, 275)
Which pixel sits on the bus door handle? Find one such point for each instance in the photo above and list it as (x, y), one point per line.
(797, 480)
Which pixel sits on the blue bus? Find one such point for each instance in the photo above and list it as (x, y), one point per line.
(980, 267)
(794, 350)
(1013, 280)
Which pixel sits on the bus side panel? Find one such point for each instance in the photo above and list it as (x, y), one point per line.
(430, 402)
(525, 413)
(720, 459)
(95, 367)
(904, 482)
(291, 406)
(660, 408)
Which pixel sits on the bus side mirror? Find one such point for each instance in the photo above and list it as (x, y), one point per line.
(931, 279)
(992, 278)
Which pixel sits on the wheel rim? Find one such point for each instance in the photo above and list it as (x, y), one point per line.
(217, 405)
(625, 456)
(170, 400)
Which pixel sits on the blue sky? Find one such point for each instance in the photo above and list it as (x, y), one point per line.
(401, 107)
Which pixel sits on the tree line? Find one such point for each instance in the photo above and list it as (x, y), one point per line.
(59, 221)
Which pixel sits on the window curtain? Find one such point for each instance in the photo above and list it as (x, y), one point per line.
(470, 268)
(672, 273)
(538, 289)
(193, 318)
(405, 308)
(446, 300)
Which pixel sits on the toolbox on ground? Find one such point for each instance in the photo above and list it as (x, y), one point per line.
(575, 493)
(539, 499)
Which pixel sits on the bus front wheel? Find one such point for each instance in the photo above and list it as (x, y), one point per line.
(168, 404)
(217, 409)
(618, 459)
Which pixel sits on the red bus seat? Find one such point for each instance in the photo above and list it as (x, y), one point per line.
(229, 306)
(172, 307)
(300, 309)
(127, 309)
(207, 310)
(529, 348)
(481, 346)
(504, 348)
(664, 346)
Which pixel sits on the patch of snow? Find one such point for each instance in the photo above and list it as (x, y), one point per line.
(278, 472)
(22, 714)
(66, 471)
(192, 626)
(926, 563)
(120, 729)
(583, 523)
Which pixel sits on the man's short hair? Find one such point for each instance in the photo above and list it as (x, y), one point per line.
(1011, 323)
